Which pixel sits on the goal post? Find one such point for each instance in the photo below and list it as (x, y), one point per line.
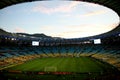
(50, 69)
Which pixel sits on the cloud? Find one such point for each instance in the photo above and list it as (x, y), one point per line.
(51, 30)
(88, 4)
(19, 29)
(93, 13)
(48, 28)
(88, 14)
(63, 8)
(85, 30)
(75, 31)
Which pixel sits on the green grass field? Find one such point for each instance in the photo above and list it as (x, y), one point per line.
(82, 64)
(58, 64)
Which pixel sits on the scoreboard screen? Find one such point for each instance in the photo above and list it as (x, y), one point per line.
(97, 41)
(35, 43)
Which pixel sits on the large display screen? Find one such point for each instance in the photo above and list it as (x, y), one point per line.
(35, 43)
(97, 41)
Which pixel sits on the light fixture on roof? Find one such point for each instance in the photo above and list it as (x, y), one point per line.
(118, 34)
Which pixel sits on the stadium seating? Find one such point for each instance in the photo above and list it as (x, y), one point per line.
(11, 55)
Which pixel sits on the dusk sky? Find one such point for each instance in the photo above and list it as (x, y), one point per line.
(66, 19)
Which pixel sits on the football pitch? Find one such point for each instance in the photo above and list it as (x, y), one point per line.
(80, 68)
(67, 64)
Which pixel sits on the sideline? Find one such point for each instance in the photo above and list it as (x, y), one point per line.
(11, 66)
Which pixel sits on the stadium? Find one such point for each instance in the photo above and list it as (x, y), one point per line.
(25, 56)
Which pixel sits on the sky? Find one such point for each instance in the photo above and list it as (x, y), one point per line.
(66, 19)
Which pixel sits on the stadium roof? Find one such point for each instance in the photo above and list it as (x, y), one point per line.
(113, 4)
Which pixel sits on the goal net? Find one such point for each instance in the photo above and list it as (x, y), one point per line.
(50, 69)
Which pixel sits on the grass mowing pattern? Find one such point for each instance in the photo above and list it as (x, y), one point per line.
(67, 64)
